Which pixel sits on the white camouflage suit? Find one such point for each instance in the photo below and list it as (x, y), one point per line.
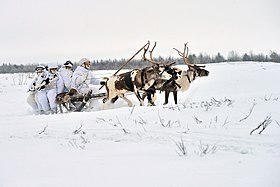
(66, 75)
(47, 95)
(83, 80)
(32, 98)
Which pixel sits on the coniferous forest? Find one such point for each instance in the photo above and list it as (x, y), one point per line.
(109, 64)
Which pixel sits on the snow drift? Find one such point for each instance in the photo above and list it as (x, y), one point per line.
(203, 141)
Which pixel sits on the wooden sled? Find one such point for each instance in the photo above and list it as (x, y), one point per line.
(68, 98)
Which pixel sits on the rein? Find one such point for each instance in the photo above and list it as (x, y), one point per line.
(188, 78)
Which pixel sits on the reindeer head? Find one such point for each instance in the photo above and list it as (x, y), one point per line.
(194, 70)
(159, 70)
(199, 70)
(156, 72)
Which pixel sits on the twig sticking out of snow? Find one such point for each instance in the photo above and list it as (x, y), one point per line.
(142, 122)
(175, 108)
(270, 98)
(124, 130)
(263, 124)
(78, 130)
(44, 130)
(100, 120)
(131, 111)
(226, 121)
(215, 103)
(250, 112)
(182, 148)
(277, 123)
(267, 98)
(206, 105)
(75, 144)
(197, 120)
(205, 149)
(169, 123)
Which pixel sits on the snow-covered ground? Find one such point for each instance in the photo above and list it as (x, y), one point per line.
(142, 146)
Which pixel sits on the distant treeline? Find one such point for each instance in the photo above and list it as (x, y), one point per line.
(109, 64)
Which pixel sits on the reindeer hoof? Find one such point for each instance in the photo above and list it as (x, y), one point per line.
(151, 104)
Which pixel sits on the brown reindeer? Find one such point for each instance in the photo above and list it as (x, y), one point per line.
(133, 81)
(64, 99)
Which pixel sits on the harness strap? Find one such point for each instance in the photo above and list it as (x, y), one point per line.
(188, 78)
(176, 84)
(165, 83)
(142, 80)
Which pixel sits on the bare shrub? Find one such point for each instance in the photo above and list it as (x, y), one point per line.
(169, 123)
(198, 121)
(263, 124)
(181, 147)
(79, 130)
(207, 105)
(226, 121)
(120, 124)
(250, 112)
(277, 123)
(20, 78)
(44, 130)
(142, 122)
(76, 144)
(204, 149)
(269, 98)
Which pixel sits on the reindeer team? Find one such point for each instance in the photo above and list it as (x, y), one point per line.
(164, 77)
(159, 76)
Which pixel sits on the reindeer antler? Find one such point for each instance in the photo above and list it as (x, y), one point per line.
(145, 51)
(184, 54)
(151, 55)
(151, 51)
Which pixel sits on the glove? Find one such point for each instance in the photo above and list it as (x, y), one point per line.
(41, 87)
(47, 80)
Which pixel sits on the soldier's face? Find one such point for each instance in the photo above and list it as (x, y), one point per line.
(53, 70)
(87, 64)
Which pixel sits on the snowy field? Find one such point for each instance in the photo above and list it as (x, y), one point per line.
(204, 141)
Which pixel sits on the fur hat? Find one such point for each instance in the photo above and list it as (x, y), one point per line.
(68, 63)
(83, 60)
(52, 66)
(40, 68)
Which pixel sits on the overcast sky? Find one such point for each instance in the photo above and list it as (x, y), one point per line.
(42, 31)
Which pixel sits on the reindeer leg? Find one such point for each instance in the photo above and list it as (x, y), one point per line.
(144, 95)
(65, 106)
(166, 94)
(127, 100)
(152, 99)
(175, 96)
(113, 100)
(60, 108)
(136, 92)
(151, 95)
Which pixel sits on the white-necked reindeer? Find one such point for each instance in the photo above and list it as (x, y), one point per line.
(181, 79)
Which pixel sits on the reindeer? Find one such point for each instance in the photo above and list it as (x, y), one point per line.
(64, 99)
(180, 79)
(134, 81)
(158, 83)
